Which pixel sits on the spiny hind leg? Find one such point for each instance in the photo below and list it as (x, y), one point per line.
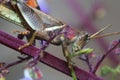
(21, 34)
(31, 41)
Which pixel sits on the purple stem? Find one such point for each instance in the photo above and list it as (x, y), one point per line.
(88, 24)
(88, 63)
(86, 59)
(104, 56)
(47, 59)
(14, 63)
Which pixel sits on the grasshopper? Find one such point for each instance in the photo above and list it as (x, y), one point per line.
(43, 26)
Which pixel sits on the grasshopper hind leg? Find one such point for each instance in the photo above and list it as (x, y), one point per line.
(31, 40)
(20, 36)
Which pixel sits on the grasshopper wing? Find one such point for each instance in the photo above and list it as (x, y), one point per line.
(32, 19)
(36, 19)
(47, 19)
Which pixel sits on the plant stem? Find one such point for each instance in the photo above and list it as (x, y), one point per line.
(15, 63)
(88, 63)
(73, 74)
(104, 56)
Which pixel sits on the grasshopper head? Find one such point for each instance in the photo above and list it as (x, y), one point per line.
(80, 41)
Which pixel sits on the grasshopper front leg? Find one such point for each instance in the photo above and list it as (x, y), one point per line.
(67, 55)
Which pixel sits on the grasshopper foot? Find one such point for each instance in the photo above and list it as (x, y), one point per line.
(30, 41)
(24, 46)
(21, 34)
(26, 32)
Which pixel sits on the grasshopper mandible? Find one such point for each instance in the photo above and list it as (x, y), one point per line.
(43, 26)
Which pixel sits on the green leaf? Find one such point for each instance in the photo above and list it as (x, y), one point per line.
(117, 69)
(106, 70)
(83, 51)
(9, 15)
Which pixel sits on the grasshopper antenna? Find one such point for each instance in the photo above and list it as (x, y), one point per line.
(95, 35)
(98, 32)
(105, 35)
